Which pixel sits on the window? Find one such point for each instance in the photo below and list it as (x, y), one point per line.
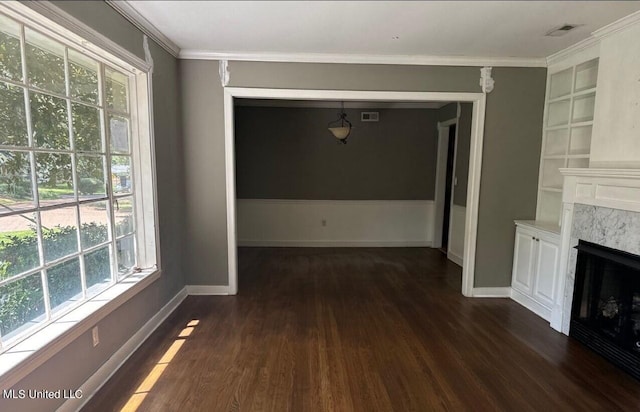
(77, 211)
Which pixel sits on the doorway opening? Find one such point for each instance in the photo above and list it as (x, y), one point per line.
(476, 100)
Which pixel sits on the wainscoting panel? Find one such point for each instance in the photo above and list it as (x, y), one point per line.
(343, 223)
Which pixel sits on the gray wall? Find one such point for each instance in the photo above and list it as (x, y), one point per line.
(205, 249)
(510, 161)
(447, 112)
(72, 366)
(288, 153)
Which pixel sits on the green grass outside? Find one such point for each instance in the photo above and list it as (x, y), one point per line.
(54, 192)
(5, 238)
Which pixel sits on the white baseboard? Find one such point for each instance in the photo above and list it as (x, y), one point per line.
(504, 292)
(333, 243)
(532, 305)
(207, 290)
(455, 258)
(102, 375)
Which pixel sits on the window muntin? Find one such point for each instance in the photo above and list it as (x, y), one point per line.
(67, 205)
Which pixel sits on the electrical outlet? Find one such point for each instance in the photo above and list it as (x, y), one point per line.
(95, 336)
(324, 222)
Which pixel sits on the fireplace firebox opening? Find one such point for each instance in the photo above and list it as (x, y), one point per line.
(605, 314)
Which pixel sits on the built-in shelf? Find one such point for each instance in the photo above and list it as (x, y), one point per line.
(576, 94)
(561, 127)
(578, 156)
(583, 92)
(571, 156)
(568, 122)
(581, 124)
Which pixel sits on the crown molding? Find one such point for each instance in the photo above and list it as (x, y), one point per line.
(43, 12)
(595, 38)
(134, 17)
(365, 59)
(616, 26)
(574, 49)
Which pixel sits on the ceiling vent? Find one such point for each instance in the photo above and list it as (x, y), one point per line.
(369, 116)
(562, 30)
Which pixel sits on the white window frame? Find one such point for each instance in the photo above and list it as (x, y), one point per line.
(19, 359)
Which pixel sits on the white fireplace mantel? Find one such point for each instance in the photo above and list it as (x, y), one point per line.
(610, 188)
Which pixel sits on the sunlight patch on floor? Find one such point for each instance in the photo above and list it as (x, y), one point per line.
(154, 375)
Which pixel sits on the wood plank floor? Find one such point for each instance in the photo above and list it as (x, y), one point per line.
(360, 330)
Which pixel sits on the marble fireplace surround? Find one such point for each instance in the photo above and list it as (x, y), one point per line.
(601, 206)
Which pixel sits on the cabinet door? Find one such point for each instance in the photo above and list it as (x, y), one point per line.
(546, 276)
(523, 262)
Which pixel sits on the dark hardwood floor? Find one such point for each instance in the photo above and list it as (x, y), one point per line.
(360, 330)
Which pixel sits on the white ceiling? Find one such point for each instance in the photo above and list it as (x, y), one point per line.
(513, 29)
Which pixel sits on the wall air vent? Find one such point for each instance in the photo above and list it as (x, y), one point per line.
(369, 116)
(562, 30)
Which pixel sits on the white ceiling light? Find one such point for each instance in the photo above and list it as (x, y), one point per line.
(341, 127)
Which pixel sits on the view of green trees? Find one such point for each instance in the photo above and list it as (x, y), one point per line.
(52, 117)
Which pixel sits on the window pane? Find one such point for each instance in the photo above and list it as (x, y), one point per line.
(16, 191)
(126, 254)
(18, 244)
(55, 182)
(121, 174)
(49, 120)
(59, 232)
(10, 58)
(91, 179)
(65, 284)
(22, 305)
(119, 133)
(83, 77)
(45, 62)
(86, 128)
(117, 89)
(95, 222)
(123, 212)
(13, 121)
(97, 266)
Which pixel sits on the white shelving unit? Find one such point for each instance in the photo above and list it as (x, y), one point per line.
(568, 122)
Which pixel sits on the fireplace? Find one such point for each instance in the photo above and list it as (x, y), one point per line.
(605, 313)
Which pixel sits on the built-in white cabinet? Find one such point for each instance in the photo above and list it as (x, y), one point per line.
(568, 124)
(536, 266)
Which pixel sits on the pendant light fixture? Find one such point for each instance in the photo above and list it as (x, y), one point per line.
(341, 127)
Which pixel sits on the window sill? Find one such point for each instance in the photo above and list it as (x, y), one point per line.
(22, 359)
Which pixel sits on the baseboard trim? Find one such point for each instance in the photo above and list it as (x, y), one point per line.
(333, 243)
(207, 290)
(532, 305)
(458, 260)
(111, 366)
(504, 292)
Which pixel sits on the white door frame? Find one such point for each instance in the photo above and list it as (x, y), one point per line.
(475, 157)
(441, 177)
